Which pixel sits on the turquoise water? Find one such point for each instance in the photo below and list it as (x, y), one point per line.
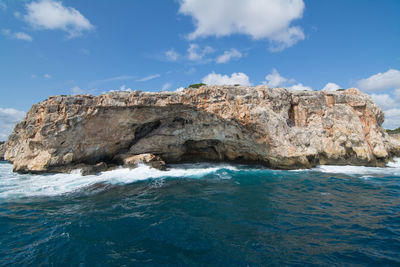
(202, 214)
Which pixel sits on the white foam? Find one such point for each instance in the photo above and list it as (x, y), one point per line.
(393, 168)
(14, 185)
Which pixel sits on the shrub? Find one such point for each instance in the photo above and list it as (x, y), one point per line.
(196, 85)
(340, 90)
(395, 131)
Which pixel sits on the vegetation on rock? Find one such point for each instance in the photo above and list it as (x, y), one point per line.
(196, 85)
(395, 131)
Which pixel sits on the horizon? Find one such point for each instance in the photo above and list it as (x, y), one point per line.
(54, 47)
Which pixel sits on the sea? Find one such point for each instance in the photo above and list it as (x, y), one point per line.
(202, 214)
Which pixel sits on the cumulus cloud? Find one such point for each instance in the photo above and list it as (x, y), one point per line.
(260, 19)
(228, 55)
(47, 76)
(148, 78)
(196, 53)
(171, 55)
(125, 88)
(52, 15)
(384, 89)
(23, 36)
(76, 90)
(274, 79)
(381, 81)
(331, 87)
(384, 101)
(299, 87)
(17, 35)
(180, 89)
(390, 105)
(392, 118)
(8, 118)
(218, 79)
(166, 86)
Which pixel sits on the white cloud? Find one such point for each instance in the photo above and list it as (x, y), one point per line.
(384, 101)
(47, 76)
(6, 32)
(148, 78)
(85, 51)
(8, 118)
(228, 55)
(331, 87)
(218, 79)
(52, 15)
(76, 90)
(23, 36)
(274, 79)
(392, 118)
(286, 39)
(260, 19)
(166, 86)
(299, 87)
(3, 6)
(17, 15)
(125, 88)
(381, 81)
(17, 35)
(171, 55)
(389, 82)
(195, 53)
(118, 78)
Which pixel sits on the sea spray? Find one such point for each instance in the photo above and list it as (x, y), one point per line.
(14, 185)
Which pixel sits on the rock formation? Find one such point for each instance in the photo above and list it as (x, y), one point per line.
(2, 148)
(269, 126)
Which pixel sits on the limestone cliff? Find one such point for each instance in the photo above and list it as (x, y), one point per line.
(2, 148)
(269, 126)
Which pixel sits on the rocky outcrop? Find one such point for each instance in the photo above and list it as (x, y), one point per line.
(2, 148)
(395, 136)
(395, 140)
(129, 160)
(269, 126)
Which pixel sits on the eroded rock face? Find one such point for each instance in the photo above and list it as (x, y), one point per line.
(269, 126)
(2, 151)
(129, 160)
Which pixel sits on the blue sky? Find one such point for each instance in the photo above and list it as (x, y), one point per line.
(67, 47)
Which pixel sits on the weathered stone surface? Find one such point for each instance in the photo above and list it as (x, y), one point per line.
(395, 140)
(129, 160)
(395, 136)
(94, 169)
(269, 126)
(2, 150)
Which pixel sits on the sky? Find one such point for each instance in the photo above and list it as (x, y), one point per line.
(53, 47)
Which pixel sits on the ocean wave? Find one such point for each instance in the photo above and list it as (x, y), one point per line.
(393, 168)
(14, 185)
